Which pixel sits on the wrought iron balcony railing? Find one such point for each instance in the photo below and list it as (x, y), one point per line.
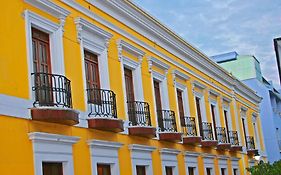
(166, 121)
(250, 142)
(102, 103)
(221, 135)
(233, 138)
(189, 126)
(51, 90)
(207, 131)
(139, 113)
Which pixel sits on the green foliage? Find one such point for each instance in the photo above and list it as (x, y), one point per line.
(266, 169)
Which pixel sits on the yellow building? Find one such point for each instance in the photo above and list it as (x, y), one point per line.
(100, 87)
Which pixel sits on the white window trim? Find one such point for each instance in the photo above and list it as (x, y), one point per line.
(243, 114)
(105, 152)
(169, 158)
(183, 88)
(217, 114)
(98, 46)
(56, 43)
(228, 113)
(223, 163)
(52, 148)
(135, 67)
(191, 160)
(141, 155)
(209, 162)
(201, 97)
(235, 164)
(256, 132)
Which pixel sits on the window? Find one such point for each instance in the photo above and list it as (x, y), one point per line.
(191, 170)
(244, 129)
(235, 171)
(42, 66)
(180, 105)
(52, 168)
(103, 169)
(141, 170)
(197, 100)
(92, 70)
(157, 95)
(222, 171)
(226, 123)
(213, 107)
(209, 171)
(169, 170)
(129, 85)
(92, 77)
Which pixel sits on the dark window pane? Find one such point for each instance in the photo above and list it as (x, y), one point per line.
(103, 169)
(169, 170)
(52, 168)
(140, 170)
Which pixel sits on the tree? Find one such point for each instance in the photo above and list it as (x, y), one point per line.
(266, 168)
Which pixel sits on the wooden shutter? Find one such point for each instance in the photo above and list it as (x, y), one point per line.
(226, 125)
(199, 115)
(140, 170)
(41, 51)
(103, 169)
(169, 170)
(129, 85)
(157, 95)
(214, 121)
(180, 105)
(52, 168)
(190, 170)
(92, 70)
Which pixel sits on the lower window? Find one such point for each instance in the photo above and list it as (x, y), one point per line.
(169, 170)
(141, 170)
(52, 168)
(235, 171)
(209, 171)
(222, 171)
(103, 169)
(191, 170)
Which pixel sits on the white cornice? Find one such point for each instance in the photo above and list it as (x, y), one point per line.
(82, 24)
(224, 79)
(123, 45)
(144, 148)
(50, 7)
(181, 75)
(208, 156)
(192, 154)
(102, 143)
(213, 92)
(156, 62)
(169, 151)
(46, 137)
(196, 83)
(221, 157)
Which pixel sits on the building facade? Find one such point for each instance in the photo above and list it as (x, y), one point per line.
(247, 69)
(277, 49)
(101, 87)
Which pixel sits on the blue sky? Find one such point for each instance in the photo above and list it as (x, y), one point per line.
(219, 26)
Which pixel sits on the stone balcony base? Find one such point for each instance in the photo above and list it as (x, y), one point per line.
(64, 116)
(106, 124)
(170, 136)
(142, 131)
(209, 143)
(223, 146)
(191, 140)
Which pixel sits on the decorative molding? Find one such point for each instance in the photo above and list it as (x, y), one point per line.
(82, 24)
(169, 151)
(123, 45)
(158, 75)
(50, 8)
(144, 148)
(243, 109)
(196, 83)
(56, 138)
(181, 75)
(192, 154)
(208, 156)
(104, 144)
(213, 92)
(155, 62)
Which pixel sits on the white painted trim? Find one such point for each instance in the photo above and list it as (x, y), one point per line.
(56, 43)
(50, 8)
(223, 163)
(53, 148)
(198, 84)
(152, 61)
(123, 45)
(104, 152)
(209, 162)
(169, 158)
(191, 160)
(141, 155)
(181, 75)
(217, 114)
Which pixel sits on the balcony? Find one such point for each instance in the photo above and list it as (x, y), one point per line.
(223, 143)
(207, 135)
(167, 126)
(250, 143)
(103, 111)
(53, 102)
(139, 119)
(189, 131)
(234, 141)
